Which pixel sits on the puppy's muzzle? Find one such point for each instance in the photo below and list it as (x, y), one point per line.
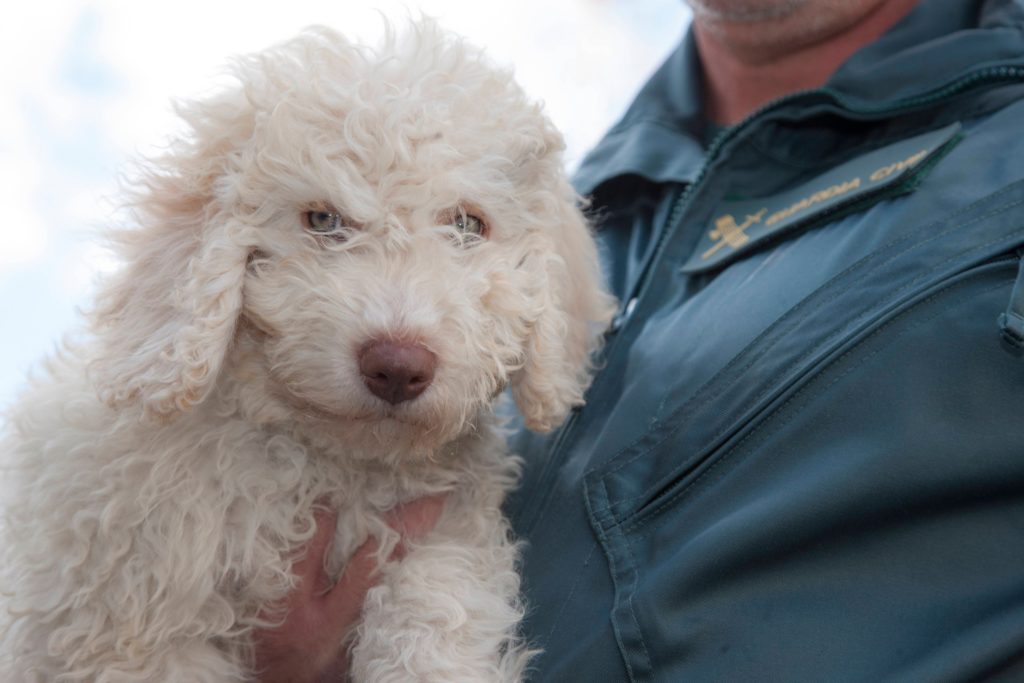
(397, 371)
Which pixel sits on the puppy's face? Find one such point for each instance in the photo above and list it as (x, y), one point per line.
(398, 304)
(391, 226)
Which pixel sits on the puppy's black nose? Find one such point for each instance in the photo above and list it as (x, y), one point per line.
(396, 371)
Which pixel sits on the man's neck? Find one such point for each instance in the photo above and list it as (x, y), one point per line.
(748, 64)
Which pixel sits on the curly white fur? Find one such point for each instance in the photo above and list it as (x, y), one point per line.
(158, 480)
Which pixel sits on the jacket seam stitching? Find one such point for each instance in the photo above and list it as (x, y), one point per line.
(572, 591)
(666, 123)
(630, 601)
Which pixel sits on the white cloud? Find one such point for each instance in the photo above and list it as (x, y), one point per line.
(23, 233)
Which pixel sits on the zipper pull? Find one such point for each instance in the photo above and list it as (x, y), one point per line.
(1011, 323)
(619, 320)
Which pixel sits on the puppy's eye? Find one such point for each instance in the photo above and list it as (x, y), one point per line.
(467, 224)
(323, 222)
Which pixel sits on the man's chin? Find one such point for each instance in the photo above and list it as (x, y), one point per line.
(745, 11)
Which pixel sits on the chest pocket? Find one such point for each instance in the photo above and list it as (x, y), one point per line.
(817, 421)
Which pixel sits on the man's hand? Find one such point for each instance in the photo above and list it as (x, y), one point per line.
(306, 648)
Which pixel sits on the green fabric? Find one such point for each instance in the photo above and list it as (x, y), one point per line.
(805, 463)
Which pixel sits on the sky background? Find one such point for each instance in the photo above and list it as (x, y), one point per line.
(87, 87)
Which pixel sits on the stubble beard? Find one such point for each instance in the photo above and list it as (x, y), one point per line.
(744, 11)
(780, 23)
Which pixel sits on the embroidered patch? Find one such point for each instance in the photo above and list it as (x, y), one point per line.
(741, 225)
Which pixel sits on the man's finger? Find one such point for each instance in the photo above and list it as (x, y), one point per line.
(309, 568)
(415, 519)
(344, 602)
(412, 520)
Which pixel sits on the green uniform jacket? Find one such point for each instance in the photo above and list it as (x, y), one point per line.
(803, 458)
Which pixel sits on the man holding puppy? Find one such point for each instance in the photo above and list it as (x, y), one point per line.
(803, 458)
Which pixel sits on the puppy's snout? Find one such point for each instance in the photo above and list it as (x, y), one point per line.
(396, 371)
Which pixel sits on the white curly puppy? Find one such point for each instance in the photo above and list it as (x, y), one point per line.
(334, 274)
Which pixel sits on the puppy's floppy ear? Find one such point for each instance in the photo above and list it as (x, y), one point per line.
(574, 312)
(165, 322)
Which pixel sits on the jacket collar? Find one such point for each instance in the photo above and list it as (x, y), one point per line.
(659, 137)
